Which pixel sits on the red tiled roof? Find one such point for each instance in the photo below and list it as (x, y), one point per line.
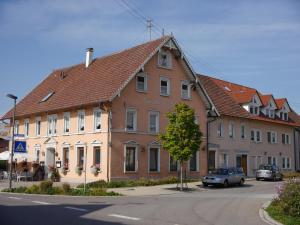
(280, 102)
(228, 99)
(77, 85)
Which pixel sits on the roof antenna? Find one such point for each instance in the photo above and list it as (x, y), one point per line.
(163, 32)
(149, 26)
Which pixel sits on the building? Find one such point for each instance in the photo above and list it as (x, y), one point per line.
(4, 137)
(251, 129)
(106, 114)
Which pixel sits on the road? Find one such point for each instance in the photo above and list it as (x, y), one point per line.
(209, 206)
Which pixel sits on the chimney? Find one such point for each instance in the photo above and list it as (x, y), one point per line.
(89, 57)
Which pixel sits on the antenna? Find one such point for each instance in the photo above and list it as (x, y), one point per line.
(149, 26)
(163, 32)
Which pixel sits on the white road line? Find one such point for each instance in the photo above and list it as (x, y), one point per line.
(42, 203)
(124, 217)
(74, 208)
(16, 198)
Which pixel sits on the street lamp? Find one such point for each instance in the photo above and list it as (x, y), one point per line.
(12, 138)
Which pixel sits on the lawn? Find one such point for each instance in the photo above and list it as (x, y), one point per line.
(276, 214)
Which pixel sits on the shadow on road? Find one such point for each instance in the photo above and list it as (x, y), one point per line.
(52, 214)
(220, 186)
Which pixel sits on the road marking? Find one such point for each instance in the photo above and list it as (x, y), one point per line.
(124, 217)
(16, 198)
(78, 209)
(43, 203)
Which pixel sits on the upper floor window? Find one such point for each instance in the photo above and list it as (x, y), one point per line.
(66, 122)
(185, 90)
(81, 120)
(254, 110)
(52, 121)
(97, 120)
(131, 120)
(17, 127)
(271, 113)
(256, 135)
(153, 122)
(165, 59)
(286, 139)
(164, 86)
(141, 82)
(243, 131)
(26, 127)
(38, 126)
(231, 130)
(220, 131)
(272, 137)
(284, 116)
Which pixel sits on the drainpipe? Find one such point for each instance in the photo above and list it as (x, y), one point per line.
(108, 144)
(207, 136)
(295, 150)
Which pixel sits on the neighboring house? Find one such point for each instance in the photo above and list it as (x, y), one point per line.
(4, 137)
(108, 111)
(251, 129)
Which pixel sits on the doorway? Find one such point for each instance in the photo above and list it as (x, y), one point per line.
(241, 161)
(211, 160)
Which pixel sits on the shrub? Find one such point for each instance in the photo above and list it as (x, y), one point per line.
(291, 175)
(46, 187)
(55, 176)
(34, 189)
(66, 188)
(20, 189)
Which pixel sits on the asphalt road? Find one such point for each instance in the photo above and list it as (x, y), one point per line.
(209, 206)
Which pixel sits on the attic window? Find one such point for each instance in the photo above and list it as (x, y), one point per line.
(47, 97)
(227, 88)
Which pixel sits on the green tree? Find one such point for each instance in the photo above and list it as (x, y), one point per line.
(182, 137)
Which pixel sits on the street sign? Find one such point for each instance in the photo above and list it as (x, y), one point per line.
(20, 146)
(19, 135)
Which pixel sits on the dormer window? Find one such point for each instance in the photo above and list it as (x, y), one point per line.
(164, 59)
(272, 113)
(141, 82)
(253, 110)
(284, 116)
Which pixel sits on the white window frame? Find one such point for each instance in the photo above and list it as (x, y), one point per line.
(256, 131)
(63, 155)
(37, 149)
(168, 58)
(134, 120)
(197, 163)
(94, 154)
(67, 124)
(144, 75)
(158, 158)
(38, 126)
(17, 127)
(286, 136)
(156, 113)
(220, 129)
(136, 158)
(80, 113)
(97, 110)
(187, 83)
(26, 127)
(243, 128)
(231, 130)
(77, 155)
(51, 126)
(168, 86)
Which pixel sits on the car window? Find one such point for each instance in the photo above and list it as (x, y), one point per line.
(220, 171)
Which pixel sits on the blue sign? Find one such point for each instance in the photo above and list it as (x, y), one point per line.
(20, 146)
(19, 135)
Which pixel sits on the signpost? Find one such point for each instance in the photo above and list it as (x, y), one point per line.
(20, 146)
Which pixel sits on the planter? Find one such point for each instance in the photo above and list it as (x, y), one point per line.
(78, 170)
(94, 170)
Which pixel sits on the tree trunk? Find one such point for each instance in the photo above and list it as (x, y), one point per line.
(181, 177)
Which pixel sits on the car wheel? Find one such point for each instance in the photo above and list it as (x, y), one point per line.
(257, 178)
(205, 184)
(225, 184)
(242, 181)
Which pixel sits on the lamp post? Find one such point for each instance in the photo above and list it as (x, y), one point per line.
(12, 138)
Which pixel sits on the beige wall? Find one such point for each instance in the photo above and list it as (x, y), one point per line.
(254, 151)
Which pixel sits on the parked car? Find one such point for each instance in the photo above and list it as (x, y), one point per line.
(268, 172)
(225, 177)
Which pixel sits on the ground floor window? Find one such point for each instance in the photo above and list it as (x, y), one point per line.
(80, 158)
(97, 156)
(194, 162)
(286, 163)
(37, 155)
(153, 159)
(130, 159)
(173, 164)
(66, 155)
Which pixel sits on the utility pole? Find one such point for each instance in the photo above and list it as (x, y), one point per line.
(149, 27)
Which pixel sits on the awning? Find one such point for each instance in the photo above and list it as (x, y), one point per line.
(19, 156)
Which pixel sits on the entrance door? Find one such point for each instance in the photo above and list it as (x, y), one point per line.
(241, 161)
(50, 158)
(211, 160)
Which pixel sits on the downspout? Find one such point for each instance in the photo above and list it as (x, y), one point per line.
(296, 156)
(108, 144)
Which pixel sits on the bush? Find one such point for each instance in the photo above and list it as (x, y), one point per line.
(291, 175)
(288, 200)
(20, 189)
(46, 187)
(66, 188)
(34, 189)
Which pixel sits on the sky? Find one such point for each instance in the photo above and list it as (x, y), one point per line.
(254, 43)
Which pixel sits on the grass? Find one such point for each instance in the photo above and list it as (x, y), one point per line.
(275, 212)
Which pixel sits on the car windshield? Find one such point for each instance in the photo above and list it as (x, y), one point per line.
(265, 167)
(220, 171)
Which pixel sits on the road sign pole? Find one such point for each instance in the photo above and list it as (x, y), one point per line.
(12, 145)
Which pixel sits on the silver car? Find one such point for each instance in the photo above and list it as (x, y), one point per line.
(225, 177)
(268, 172)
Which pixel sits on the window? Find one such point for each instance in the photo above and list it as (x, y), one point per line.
(269, 160)
(272, 137)
(66, 122)
(37, 154)
(131, 120)
(243, 131)
(154, 159)
(66, 157)
(225, 160)
(38, 126)
(17, 127)
(26, 127)
(97, 156)
(254, 110)
(274, 161)
(185, 90)
(288, 165)
(130, 159)
(271, 113)
(231, 130)
(164, 86)
(194, 162)
(284, 116)
(256, 135)
(154, 122)
(286, 139)
(164, 59)
(141, 82)
(173, 164)
(220, 129)
(97, 120)
(80, 156)
(252, 135)
(52, 121)
(47, 97)
(81, 120)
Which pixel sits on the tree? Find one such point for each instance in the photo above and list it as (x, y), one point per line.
(183, 137)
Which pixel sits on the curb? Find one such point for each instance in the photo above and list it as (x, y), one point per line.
(265, 216)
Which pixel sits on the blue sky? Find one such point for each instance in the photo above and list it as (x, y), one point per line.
(255, 43)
